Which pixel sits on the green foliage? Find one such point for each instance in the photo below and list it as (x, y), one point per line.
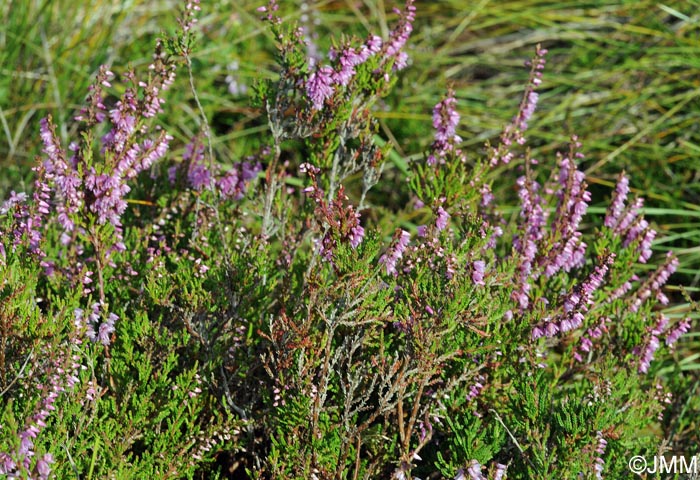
(259, 335)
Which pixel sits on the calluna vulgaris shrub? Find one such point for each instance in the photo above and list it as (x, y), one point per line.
(180, 316)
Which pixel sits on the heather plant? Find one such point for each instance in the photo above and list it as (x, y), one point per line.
(182, 315)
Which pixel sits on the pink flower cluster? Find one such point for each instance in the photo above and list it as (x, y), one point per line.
(441, 219)
(600, 450)
(395, 251)
(530, 98)
(576, 303)
(586, 341)
(445, 122)
(568, 250)
(230, 184)
(474, 472)
(342, 220)
(325, 80)
(63, 376)
(526, 243)
(646, 351)
(626, 221)
(514, 131)
(399, 36)
(101, 187)
(94, 329)
(188, 19)
(547, 251)
(652, 286)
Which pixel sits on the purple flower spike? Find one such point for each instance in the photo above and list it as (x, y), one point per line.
(399, 36)
(500, 472)
(445, 122)
(356, 235)
(479, 268)
(617, 205)
(395, 252)
(319, 86)
(682, 328)
(442, 218)
(530, 98)
(446, 119)
(474, 471)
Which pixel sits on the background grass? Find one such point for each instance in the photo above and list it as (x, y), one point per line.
(623, 76)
